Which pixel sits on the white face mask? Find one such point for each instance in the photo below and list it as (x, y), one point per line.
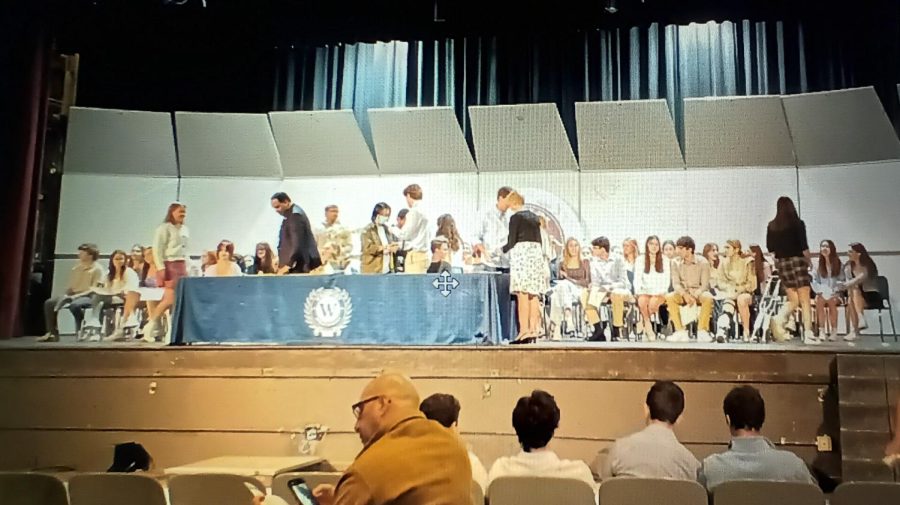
(381, 219)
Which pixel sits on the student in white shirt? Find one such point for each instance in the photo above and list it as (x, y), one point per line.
(652, 279)
(225, 265)
(414, 235)
(493, 232)
(119, 281)
(535, 419)
(444, 408)
(827, 276)
(609, 282)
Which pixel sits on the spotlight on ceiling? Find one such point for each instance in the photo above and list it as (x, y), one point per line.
(611, 7)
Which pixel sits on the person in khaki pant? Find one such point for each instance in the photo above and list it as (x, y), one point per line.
(414, 236)
(690, 285)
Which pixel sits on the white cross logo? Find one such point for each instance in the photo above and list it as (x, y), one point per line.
(445, 283)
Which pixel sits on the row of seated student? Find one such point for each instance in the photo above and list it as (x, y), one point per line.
(406, 455)
(723, 285)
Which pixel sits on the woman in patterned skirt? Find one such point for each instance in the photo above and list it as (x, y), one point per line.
(528, 268)
(786, 238)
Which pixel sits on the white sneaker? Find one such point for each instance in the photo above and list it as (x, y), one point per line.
(95, 337)
(131, 322)
(49, 337)
(850, 337)
(809, 338)
(679, 336)
(832, 337)
(116, 336)
(704, 337)
(649, 334)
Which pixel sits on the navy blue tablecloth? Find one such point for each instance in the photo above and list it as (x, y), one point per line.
(344, 309)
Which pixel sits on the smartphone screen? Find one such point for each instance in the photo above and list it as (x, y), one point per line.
(302, 492)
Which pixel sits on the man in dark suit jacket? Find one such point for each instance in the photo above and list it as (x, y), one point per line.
(297, 250)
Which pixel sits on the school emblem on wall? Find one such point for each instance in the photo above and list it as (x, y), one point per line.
(327, 311)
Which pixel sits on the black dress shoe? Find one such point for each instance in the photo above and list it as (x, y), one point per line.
(598, 335)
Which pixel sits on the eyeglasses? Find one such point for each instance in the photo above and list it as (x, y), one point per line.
(358, 406)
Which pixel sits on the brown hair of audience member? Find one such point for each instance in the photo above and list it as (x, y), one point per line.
(570, 260)
(714, 262)
(833, 259)
(447, 229)
(90, 249)
(865, 260)
(117, 273)
(170, 214)
(759, 264)
(658, 260)
(785, 214)
(266, 264)
(413, 191)
(225, 245)
(442, 408)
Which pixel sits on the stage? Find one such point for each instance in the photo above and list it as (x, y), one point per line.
(73, 401)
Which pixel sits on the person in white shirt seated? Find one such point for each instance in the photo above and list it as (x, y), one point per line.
(225, 265)
(826, 279)
(444, 409)
(609, 283)
(654, 452)
(535, 419)
(116, 284)
(652, 279)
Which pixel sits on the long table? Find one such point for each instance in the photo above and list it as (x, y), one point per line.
(407, 309)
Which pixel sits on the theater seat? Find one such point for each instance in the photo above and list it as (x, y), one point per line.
(212, 489)
(634, 491)
(757, 492)
(866, 493)
(19, 488)
(115, 489)
(539, 491)
(313, 479)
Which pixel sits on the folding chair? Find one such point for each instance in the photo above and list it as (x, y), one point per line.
(22, 488)
(885, 293)
(633, 491)
(866, 493)
(539, 491)
(115, 489)
(758, 492)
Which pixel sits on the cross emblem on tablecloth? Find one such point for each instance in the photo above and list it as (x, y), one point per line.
(445, 283)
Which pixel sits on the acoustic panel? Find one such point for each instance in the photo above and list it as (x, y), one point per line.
(111, 211)
(634, 134)
(108, 141)
(619, 205)
(734, 204)
(419, 140)
(852, 204)
(314, 143)
(835, 127)
(239, 210)
(520, 137)
(231, 145)
(736, 132)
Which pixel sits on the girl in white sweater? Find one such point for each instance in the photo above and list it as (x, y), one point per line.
(651, 282)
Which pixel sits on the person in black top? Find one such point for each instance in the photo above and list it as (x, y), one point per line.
(786, 239)
(297, 250)
(440, 251)
(529, 271)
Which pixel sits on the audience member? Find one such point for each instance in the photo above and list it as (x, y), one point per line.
(535, 419)
(630, 253)
(690, 285)
(761, 266)
(225, 265)
(440, 252)
(786, 239)
(862, 287)
(750, 456)
(414, 236)
(377, 242)
(333, 231)
(609, 283)
(654, 452)
(297, 251)
(668, 249)
(136, 260)
(569, 296)
(827, 279)
(493, 232)
(83, 277)
(444, 409)
(264, 260)
(651, 283)
(406, 459)
(401, 217)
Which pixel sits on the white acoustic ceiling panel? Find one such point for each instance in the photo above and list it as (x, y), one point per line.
(842, 204)
(112, 211)
(835, 127)
(124, 142)
(419, 140)
(736, 132)
(314, 143)
(520, 137)
(231, 145)
(633, 134)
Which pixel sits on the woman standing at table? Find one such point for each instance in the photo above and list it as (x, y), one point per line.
(170, 248)
(529, 276)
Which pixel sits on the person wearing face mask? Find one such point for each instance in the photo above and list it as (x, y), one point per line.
(378, 243)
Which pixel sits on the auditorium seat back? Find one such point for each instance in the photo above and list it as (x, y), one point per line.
(753, 492)
(313, 479)
(633, 491)
(20, 488)
(115, 489)
(539, 491)
(866, 493)
(212, 489)
(477, 494)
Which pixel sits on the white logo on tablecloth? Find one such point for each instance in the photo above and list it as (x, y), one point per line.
(327, 311)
